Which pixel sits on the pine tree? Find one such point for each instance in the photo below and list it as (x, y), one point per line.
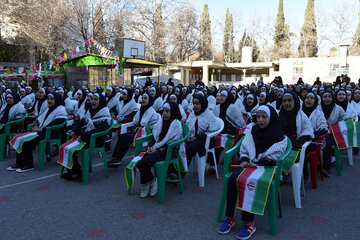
(158, 36)
(205, 34)
(308, 37)
(355, 47)
(248, 41)
(118, 34)
(281, 38)
(99, 26)
(228, 41)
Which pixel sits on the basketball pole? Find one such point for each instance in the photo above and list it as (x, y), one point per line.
(158, 76)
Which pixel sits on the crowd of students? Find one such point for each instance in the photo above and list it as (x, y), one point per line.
(301, 112)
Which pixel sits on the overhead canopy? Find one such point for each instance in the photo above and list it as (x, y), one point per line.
(98, 60)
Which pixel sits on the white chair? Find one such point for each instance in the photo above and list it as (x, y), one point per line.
(201, 161)
(350, 156)
(297, 176)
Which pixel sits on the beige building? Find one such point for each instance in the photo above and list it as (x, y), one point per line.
(290, 69)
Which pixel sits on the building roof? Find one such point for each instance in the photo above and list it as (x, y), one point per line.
(98, 60)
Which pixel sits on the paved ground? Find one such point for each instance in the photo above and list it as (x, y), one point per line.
(39, 205)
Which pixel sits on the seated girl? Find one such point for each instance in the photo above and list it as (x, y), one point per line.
(251, 105)
(39, 107)
(201, 121)
(263, 145)
(25, 99)
(97, 119)
(54, 115)
(167, 130)
(111, 100)
(127, 107)
(294, 123)
(145, 116)
(175, 98)
(333, 114)
(264, 98)
(69, 104)
(355, 101)
(318, 122)
(12, 110)
(158, 102)
(342, 101)
(229, 113)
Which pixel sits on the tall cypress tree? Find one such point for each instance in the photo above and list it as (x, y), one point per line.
(205, 34)
(355, 47)
(99, 26)
(308, 37)
(281, 38)
(158, 36)
(228, 41)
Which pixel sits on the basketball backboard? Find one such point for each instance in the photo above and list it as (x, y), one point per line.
(134, 49)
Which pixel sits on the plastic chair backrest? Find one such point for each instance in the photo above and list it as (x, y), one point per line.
(229, 154)
(172, 145)
(280, 162)
(220, 123)
(51, 128)
(97, 135)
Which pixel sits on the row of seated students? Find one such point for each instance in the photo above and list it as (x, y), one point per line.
(300, 121)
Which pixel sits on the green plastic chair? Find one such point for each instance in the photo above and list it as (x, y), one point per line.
(44, 144)
(274, 193)
(4, 137)
(86, 157)
(172, 157)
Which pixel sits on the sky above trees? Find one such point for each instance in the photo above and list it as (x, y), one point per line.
(245, 12)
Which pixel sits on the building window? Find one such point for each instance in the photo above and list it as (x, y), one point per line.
(228, 77)
(298, 70)
(337, 70)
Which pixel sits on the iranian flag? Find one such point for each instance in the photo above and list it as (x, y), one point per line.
(253, 188)
(224, 140)
(115, 124)
(142, 132)
(182, 154)
(246, 129)
(357, 135)
(67, 150)
(130, 170)
(344, 133)
(18, 141)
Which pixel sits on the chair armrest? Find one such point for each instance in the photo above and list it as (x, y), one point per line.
(125, 126)
(139, 143)
(51, 128)
(229, 155)
(94, 136)
(14, 122)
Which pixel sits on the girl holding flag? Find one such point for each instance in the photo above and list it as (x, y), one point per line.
(263, 145)
(165, 131)
(97, 119)
(54, 115)
(146, 116)
(333, 114)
